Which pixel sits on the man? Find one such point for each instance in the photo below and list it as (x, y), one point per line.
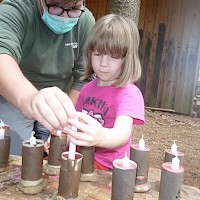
(41, 46)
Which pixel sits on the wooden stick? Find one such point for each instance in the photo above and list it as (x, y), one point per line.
(160, 109)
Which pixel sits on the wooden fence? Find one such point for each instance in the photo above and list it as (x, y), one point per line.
(169, 50)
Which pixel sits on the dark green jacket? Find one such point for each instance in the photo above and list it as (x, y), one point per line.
(45, 58)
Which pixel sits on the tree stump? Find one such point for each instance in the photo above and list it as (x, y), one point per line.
(127, 8)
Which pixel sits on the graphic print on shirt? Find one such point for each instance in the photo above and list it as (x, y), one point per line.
(97, 103)
(74, 45)
(96, 116)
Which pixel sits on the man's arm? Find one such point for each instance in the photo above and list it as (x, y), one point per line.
(73, 95)
(14, 86)
(50, 106)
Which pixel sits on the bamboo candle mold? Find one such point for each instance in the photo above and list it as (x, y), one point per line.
(87, 169)
(31, 173)
(171, 181)
(123, 179)
(69, 178)
(58, 145)
(169, 156)
(141, 157)
(4, 149)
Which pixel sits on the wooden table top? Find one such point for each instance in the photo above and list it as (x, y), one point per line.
(97, 189)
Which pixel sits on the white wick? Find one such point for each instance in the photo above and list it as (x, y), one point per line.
(142, 143)
(174, 148)
(32, 139)
(1, 123)
(2, 132)
(72, 147)
(59, 133)
(175, 163)
(125, 160)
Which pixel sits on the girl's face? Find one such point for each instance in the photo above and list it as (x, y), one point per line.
(107, 68)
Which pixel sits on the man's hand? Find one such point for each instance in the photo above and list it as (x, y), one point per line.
(50, 106)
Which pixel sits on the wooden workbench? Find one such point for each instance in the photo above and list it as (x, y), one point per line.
(98, 189)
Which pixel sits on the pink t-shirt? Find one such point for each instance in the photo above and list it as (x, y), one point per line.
(105, 103)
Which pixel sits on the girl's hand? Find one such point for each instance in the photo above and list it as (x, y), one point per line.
(89, 130)
(47, 145)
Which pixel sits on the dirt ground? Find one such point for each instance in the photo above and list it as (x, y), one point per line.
(161, 129)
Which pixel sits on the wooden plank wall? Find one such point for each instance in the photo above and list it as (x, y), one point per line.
(169, 50)
(98, 7)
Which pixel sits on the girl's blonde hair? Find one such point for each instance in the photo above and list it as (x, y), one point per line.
(116, 36)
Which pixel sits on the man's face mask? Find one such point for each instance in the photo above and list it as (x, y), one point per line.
(58, 24)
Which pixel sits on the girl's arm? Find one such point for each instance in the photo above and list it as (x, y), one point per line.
(92, 133)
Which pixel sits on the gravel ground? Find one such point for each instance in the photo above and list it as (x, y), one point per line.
(161, 129)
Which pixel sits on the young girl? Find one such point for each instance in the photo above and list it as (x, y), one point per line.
(110, 105)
